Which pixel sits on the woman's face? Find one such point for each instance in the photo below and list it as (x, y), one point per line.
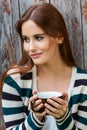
(41, 48)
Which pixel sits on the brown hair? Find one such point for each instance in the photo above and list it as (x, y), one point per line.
(51, 21)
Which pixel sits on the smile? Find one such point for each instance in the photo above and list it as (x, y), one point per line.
(35, 55)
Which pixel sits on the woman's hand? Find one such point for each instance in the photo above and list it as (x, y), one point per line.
(35, 105)
(57, 107)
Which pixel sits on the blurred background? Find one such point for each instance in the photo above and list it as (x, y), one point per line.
(75, 15)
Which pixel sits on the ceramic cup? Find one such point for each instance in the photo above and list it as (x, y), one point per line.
(44, 96)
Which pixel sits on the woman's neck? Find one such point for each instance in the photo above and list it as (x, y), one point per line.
(57, 70)
(55, 78)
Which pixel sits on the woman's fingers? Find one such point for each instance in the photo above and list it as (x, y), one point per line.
(34, 92)
(35, 105)
(40, 114)
(38, 106)
(33, 98)
(57, 115)
(57, 107)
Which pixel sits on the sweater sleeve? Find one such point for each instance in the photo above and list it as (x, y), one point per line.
(13, 108)
(66, 123)
(76, 117)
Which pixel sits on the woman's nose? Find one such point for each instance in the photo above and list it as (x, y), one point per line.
(32, 45)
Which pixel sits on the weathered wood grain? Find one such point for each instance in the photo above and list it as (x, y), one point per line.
(7, 57)
(84, 31)
(76, 26)
(1, 33)
(15, 14)
(10, 47)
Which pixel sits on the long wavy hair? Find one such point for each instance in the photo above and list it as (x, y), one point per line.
(48, 18)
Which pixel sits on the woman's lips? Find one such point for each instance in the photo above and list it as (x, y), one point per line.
(35, 55)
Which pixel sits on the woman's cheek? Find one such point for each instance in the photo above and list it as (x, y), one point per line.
(26, 47)
(44, 46)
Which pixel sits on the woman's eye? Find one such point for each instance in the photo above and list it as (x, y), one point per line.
(25, 39)
(39, 38)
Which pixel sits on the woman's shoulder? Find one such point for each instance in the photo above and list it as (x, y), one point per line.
(17, 81)
(12, 76)
(13, 71)
(20, 72)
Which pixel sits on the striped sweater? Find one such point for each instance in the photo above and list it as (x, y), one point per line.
(15, 104)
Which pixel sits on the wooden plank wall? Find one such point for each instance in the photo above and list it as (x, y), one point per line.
(10, 47)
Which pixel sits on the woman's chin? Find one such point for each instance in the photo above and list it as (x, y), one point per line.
(38, 62)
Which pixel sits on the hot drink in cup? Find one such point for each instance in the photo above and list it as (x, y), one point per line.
(46, 95)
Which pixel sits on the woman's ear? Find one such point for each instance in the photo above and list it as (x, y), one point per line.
(60, 40)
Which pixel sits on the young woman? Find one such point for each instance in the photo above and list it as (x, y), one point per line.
(47, 65)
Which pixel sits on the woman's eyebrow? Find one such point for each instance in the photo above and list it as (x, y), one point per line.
(39, 34)
(23, 36)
